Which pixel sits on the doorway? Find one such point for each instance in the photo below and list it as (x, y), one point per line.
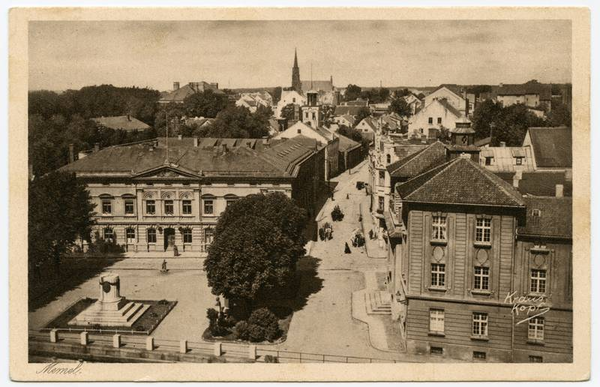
(169, 238)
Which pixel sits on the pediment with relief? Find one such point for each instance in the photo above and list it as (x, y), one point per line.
(166, 172)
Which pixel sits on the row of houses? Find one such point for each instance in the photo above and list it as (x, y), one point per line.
(479, 244)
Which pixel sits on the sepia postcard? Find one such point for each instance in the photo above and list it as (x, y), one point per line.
(310, 194)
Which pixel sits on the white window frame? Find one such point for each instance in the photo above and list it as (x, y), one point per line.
(186, 205)
(480, 325)
(187, 232)
(210, 202)
(438, 275)
(130, 240)
(148, 236)
(483, 228)
(171, 203)
(537, 282)
(153, 203)
(132, 203)
(436, 321)
(112, 234)
(535, 330)
(108, 203)
(439, 227)
(480, 277)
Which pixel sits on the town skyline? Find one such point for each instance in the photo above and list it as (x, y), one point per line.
(473, 52)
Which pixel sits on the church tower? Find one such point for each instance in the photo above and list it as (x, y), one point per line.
(296, 84)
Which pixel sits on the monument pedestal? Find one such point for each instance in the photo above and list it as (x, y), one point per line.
(111, 309)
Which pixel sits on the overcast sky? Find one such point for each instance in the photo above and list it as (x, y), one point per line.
(260, 53)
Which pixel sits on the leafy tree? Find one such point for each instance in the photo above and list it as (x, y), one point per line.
(400, 107)
(237, 121)
(258, 241)
(60, 211)
(287, 111)
(559, 116)
(362, 113)
(276, 95)
(205, 104)
(352, 92)
(485, 114)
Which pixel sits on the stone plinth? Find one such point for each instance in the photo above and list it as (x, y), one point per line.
(111, 309)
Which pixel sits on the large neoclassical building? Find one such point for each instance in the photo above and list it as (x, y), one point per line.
(150, 197)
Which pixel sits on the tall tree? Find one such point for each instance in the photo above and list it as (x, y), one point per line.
(362, 113)
(237, 121)
(60, 211)
(258, 242)
(205, 104)
(352, 92)
(400, 107)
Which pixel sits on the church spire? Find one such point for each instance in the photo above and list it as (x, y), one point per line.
(295, 58)
(296, 84)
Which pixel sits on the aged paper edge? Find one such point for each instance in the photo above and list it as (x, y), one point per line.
(21, 370)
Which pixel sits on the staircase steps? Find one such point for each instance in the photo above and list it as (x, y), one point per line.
(378, 303)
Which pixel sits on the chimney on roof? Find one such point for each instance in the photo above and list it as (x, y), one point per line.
(180, 137)
(71, 153)
(560, 190)
(96, 147)
(516, 178)
(175, 86)
(502, 144)
(501, 84)
(196, 142)
(128, 117)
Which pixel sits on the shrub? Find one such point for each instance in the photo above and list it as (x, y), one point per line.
(263, 325)
(271, 359)
(241, 330)
(337, 214)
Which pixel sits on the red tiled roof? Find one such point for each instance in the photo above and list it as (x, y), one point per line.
(460, 181)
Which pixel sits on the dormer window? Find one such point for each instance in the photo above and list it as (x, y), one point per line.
(518, 160)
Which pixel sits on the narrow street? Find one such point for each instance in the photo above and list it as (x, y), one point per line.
(325, 324)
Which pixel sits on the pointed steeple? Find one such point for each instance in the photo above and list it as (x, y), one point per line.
(295, 58)
(296, 84)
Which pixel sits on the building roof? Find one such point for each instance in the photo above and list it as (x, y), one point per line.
(210, 158)
(369, 122)
(531, 87)
(540, 183)
(444, 102)
(419, 162)
(343, 110)
(548, 217)
(193, 87)
(483, 142)
(460, 181)
(504, 158)
(127, 122)
(347, 144)
(552, 147)
(317, 86)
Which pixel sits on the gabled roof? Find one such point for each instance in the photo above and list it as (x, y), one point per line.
(369, 122)
(531, 87)
(347, 144)
(193, 87)
(316, 85)
(128, 123)
(419, 162)
(352, 110)
(460, 181)
(444, 102)
(552, 147)
(483, 141)
(554, 218)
